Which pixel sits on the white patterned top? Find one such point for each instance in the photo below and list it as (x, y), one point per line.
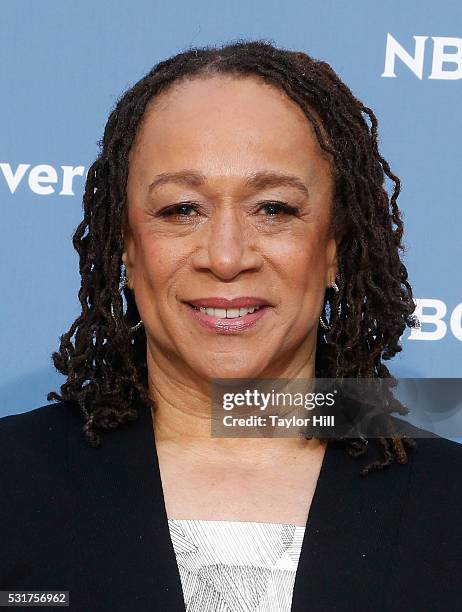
(236, 566)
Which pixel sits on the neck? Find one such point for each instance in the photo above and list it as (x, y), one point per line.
(182, 418)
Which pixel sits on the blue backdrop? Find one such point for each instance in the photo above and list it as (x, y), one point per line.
(65, 63)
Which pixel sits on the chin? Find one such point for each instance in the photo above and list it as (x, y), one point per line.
(230, 371)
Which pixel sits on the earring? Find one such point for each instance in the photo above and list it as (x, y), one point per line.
(122, 285)
(323, 323)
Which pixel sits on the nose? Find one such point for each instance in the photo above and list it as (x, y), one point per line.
(228, 247)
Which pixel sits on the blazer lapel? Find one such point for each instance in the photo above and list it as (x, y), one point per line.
(352, 529)
(124, 555)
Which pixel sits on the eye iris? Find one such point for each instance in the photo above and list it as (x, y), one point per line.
(274, 208)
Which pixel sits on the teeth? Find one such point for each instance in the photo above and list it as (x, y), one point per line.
(228, 313)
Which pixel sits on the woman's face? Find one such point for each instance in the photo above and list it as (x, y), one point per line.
(229, 197)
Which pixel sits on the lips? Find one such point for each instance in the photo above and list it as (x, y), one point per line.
(228, 316)
(217, 321)
(220, 302)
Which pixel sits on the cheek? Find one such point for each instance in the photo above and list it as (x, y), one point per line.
(300, 261)
(157, 262)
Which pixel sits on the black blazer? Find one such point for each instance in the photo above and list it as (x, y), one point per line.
(93, 521)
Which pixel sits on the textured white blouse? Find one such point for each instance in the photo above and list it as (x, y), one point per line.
(236, 566)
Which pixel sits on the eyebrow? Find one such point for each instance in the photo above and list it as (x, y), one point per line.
(257, 180)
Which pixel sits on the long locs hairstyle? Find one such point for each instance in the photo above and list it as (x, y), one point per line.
(105, 364)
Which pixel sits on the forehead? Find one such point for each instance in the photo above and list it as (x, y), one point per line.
(224, 125)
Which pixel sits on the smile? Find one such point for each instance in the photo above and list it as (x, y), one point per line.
(227, 313)
(228, 320)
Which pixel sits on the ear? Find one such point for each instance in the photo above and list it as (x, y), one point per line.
(331, 260)
(128, 255)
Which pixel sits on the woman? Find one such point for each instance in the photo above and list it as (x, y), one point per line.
(230, 179)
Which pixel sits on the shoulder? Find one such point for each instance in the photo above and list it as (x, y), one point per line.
(34, 441)
(432, 453)
(429, 529)
(35, 502)
(27, 421)
(432, 472)
(32, 424)
(443, 452)
(434, 494)
(437, 468)
(435, 459)
(435, 482)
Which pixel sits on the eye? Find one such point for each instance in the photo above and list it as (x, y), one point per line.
(180, 210)
(277, 209)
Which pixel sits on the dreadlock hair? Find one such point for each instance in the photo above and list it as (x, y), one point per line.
(106, 365)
